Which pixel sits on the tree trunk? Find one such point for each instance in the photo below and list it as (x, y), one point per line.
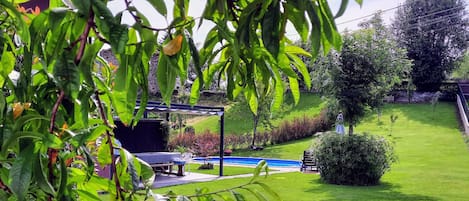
(350, 129)
(153, 87)
(256, 122)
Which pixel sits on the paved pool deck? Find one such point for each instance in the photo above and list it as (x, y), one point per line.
(164, 180)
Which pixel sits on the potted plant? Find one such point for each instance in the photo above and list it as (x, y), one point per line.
(227, 152)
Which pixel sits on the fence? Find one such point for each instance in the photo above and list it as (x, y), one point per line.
(462, 106)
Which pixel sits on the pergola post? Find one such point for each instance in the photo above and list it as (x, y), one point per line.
(222, 141)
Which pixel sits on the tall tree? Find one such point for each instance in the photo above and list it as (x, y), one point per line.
(434, 32)
(366, 69)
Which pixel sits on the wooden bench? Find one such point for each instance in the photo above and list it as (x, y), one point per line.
(162, 166)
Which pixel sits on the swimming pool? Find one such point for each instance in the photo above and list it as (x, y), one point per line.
(251, 161)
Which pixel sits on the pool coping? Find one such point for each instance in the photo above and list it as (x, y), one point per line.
(242, 165)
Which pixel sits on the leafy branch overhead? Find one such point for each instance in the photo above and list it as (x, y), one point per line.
(57, 115)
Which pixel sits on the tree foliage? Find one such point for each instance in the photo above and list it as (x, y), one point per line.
(56, 117)
(434, 32)
(361, 75)
(462, 70)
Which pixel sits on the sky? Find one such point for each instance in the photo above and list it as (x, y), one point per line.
(349, 20)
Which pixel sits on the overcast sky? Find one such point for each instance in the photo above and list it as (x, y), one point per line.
(352, 16)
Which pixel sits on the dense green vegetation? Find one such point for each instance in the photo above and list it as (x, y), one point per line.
(238, 119)
(433, 161)
(436, 49)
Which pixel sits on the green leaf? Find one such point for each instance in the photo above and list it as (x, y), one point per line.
(210, 41)
(24, 119)
(295, 89)
(101, 10)
(104, 153)
(256, 193)
(166, 76)
(297, 17)
(87, 195)
(160, 6)
(268, 190)
(257, 171)
(146, 172)
(3, 107)
(118, 38)
(180, 9)
(21, 173)
(271, 29)
(87, 62)
(83, 6)
(238, 196)
(195, 92)
(124, 95)
(19, 135)
(56, 16)
(196, 60)
(343, 6)
(66, 75)
(89, 162)
(251, 97)
(300, 65)
(132, 169)
(7, 64)
(279, 89)
(182, 61)
(330, 29)
(83, 107)
(57, 42)
(23, 30)
(40, 177)
(62, 192)
(52, 141)
(316, 31)
(290, 49)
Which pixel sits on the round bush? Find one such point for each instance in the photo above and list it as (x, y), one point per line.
(353, 159)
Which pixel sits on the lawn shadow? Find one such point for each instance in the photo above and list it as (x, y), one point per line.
(383, 191)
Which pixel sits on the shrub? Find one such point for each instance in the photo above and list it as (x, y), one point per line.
(206, 166)
(353, 159)
(189, 129)
(300, 128)
(186, 140)
(207, 144)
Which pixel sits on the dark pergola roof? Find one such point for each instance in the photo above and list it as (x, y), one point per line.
(155, 106)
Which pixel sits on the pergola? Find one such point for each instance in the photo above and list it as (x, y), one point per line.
(154, 106)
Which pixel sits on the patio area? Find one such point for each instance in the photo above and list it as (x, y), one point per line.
(164, 180)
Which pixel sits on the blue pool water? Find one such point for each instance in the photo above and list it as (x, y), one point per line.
(252, 161)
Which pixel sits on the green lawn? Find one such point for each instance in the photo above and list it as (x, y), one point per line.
(238, 118)
(289, 150)
(433, 161)
(227, 170)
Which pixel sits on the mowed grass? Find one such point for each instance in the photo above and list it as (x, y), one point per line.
(433, 161)
(289, 150)
(227, 170)
(238, 118)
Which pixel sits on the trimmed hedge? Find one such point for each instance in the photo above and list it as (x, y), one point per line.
(353, 159)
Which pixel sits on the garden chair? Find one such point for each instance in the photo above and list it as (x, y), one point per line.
(308, 161)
